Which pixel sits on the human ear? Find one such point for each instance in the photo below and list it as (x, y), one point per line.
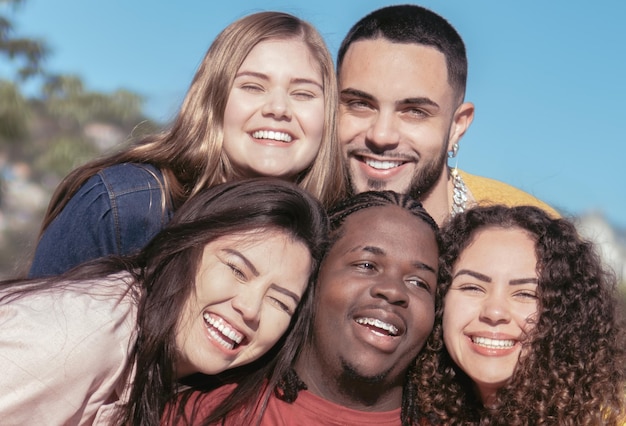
(462, 119)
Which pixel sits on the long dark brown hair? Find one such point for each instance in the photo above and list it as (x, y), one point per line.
(165, 270)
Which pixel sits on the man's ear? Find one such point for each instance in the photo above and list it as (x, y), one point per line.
(463, 117)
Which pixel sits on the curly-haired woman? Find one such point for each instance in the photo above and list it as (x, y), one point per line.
(528, 328)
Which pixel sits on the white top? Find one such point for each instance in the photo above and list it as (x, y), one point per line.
(63, 351)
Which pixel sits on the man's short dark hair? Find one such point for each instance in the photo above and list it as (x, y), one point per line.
(413, 24)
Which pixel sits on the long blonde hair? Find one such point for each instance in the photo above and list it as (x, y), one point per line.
(189, 153)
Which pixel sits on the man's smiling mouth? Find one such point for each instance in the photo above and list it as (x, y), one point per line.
(382, 165)
(379, 327)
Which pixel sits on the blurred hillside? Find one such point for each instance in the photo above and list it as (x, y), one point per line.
(32, 164)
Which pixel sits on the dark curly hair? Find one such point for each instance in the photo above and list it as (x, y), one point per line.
(573, 371)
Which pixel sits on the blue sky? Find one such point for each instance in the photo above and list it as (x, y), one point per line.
(548, 78)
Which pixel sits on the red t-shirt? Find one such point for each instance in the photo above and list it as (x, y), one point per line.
(308, 409)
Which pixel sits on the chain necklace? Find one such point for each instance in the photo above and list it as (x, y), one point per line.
(459, 193)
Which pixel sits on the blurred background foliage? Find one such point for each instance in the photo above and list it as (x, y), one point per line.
(45, 135)
(64, 124)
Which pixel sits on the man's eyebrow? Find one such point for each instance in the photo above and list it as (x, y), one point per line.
(244, 259)
(422, 265)
(379, 251)
(357, 94)
(371, 249)
(406, 101)
(418, 101)
(286, 292)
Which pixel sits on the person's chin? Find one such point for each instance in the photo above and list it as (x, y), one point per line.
(267, 171)
(372, 374)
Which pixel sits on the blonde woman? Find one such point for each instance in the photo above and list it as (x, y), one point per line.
(262, 103)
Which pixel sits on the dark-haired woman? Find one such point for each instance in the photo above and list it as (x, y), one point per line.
(108, 342)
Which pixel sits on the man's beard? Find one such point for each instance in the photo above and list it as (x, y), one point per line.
(367, 389)
(422, 182)
(350, 374)
(427, 176)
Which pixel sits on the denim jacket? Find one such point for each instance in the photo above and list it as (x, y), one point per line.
(116, 211)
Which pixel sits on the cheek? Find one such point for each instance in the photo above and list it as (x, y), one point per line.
(448, 331)
(185, 321)
(427, 138)
(348, 126)
(230, 113)
(425, 317)
(329, 305)
(527, 318)
(211, 287)
(313, 121)
(273, 325)
(452, 336)
(451, 321)
(235, 114)
(336, 288)
(337, 284)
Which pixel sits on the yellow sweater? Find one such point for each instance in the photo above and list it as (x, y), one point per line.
(490, 191)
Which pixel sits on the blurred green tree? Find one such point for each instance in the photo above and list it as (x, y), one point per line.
(44, 136)
(69, 110)
(26, 56)
(27, 53)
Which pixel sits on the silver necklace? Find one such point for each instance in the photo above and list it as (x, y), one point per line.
(459, 193)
